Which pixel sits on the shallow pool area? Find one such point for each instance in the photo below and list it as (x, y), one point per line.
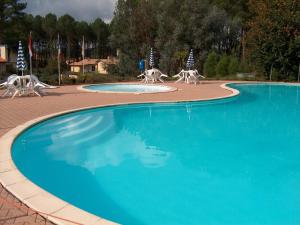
(230, 161)
(128, 88)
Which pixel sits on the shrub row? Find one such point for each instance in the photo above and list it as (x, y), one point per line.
(224, 65)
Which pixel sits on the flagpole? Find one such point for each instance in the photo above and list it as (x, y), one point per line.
(83, 55)
(30, 63)
(30, 55)
(58, 59)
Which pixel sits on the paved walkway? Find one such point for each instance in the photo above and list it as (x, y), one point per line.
(14, 112)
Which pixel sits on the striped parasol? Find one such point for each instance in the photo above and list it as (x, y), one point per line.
(190, 62)
(21, 64)
(151, 59)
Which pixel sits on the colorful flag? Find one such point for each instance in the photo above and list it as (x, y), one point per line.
(30, 45)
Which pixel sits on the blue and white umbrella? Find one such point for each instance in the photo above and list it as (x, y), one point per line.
(190, 62)
(21, 64)
(151, 59)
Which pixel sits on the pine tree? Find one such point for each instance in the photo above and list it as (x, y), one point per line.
(222, 67)
(11, 14)
(233, 66)
(210, 64)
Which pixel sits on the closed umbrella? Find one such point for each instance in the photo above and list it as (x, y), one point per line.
(151, 59)
(190, 62)
(21, 64)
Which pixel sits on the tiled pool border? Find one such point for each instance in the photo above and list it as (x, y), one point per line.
(42, 201)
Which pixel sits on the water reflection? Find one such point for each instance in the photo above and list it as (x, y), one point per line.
(95, 141)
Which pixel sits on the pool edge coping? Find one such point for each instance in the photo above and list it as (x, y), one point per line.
(41, 200)
(171, 89)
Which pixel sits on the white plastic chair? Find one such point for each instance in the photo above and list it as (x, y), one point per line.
(147, 78)
(4, 84)
(193, 76)
(181, 76)
(13, 86)
(155, 75)
(36, 86)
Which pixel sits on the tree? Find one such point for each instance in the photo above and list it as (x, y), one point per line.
(167, 35)
(197, 24)
(238, 11)
(211, 64)
(49, 25)
(101, 34)
(273, 37)
(233, 66)
(222, 67)
(66, 27)
(11, 14)
(133, 32)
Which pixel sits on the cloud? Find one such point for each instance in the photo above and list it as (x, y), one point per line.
(87, 10)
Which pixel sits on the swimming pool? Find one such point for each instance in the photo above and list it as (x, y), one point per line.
(233, 161)
(128, 88)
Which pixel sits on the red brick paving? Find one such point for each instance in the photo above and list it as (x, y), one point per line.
(17, 111)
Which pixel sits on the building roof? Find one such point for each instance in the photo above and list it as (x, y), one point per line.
(85, 62)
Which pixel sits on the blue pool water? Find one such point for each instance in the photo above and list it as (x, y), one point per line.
(233, 161)
(131, 88)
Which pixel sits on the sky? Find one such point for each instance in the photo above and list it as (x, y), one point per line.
(87, 10)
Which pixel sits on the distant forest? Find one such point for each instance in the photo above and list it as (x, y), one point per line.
(227, 36)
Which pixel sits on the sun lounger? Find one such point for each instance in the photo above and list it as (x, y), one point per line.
(152, 76)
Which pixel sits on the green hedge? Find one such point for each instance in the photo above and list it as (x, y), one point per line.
(210, 64)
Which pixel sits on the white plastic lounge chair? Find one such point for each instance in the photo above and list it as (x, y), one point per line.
(155, 75)
(181, 76)
(188, 76)
(24, 85)
(36, 86)
(147, 78)
(4, 84)
(13, 86)
(193, 76)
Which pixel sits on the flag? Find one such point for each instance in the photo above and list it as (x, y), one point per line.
(30, 45)
(82, 50)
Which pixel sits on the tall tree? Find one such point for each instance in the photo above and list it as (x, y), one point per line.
(11, 14)
(123, 36)
(274, 36)
(49, 27)
(66, 27)
(101, 33)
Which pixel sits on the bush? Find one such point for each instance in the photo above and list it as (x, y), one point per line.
(51, 67)
(244, 68)
(222, 67)
(233, 66)
(51, 79)
(210, 64)
(112, 69)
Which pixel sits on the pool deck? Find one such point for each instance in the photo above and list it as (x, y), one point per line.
(14, 112)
